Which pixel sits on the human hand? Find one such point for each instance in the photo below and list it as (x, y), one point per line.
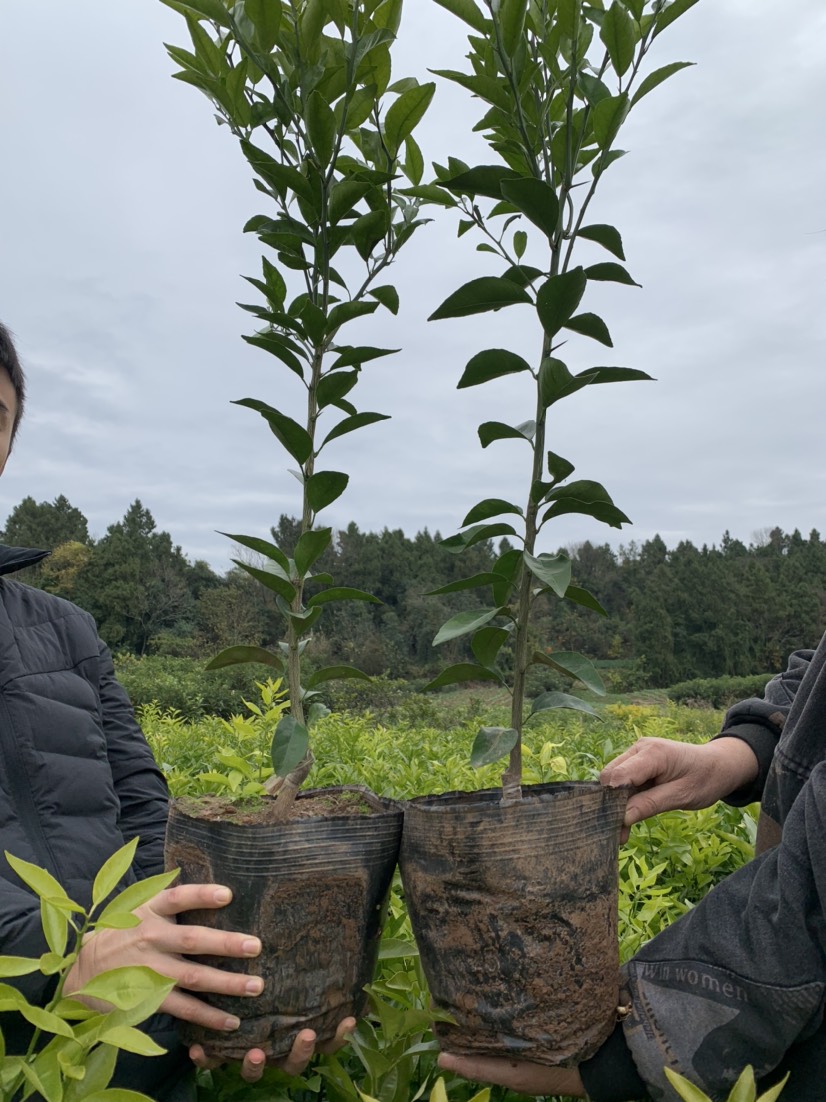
(670, 775)
(159, 943)
(516, 1075)
(303, 1050)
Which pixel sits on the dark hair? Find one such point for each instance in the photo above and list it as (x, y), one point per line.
(9, 361)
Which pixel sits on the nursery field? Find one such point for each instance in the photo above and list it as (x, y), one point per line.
(667, 865)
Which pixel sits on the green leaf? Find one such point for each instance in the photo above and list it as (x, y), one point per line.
(289, 745)
(113, 871)
(484, 180)
(745, 1089)
(277, 346)
(512, 22)
(558, 298)
(127, 987)
(587, 498)
(547, 701)
(342, 593)
(467, 11)
(265, 548)
(489, 431)
(293, 436)
(490, 507)
(413, 161)
(536, 200)
(607, 236)
(668, 15)
(208, 9)
(556, 382)
(774, 1092)
(55, 925)
(590, 325)
(597, 375)
(310, 547)
(42, 883)
(568, 16)
(334, 386)
(324, 487)
(610, 272)
(348, 355)
(607, 118)
(44, 1019)
(405, 115)
(686, 1090)
(520, 242)
(346, 311)
(335, 673)
(315, 712)
(475, 582)
(477, 534)
(493, 363)
(559, 468)
(234, 656)
(619, 37)
(271, 580)
(18, 966)
(593, 89)
(266, 18)
(584, 598)
(491, 744)
(321, 127)
(463, 623)
(137, 894)
(551, 570)
(388, 296)
(129, 1039)
(574, 665)
(487, 642)
(480, 295)
(367, 231)
(462, 671)
(351, 424)
(653, 80)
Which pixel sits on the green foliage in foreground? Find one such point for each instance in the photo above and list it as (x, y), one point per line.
(74, 1047)
(668, 864)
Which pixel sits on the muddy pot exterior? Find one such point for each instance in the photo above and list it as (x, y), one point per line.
(514, 910)
(314, 890)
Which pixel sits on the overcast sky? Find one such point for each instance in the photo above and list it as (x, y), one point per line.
(121, 252)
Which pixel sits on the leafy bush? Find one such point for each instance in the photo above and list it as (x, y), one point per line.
(718, 692)
(185, 687)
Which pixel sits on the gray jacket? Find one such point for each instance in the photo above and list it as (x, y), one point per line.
(741, 978)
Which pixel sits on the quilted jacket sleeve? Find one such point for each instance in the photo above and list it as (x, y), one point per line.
(741, 977)
(139, 783)
(759, 722)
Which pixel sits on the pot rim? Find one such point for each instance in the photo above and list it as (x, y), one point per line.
(484, 798)
(389, 808)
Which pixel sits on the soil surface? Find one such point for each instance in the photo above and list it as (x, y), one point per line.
(323, 804)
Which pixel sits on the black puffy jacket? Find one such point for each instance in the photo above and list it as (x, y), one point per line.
(77, 778)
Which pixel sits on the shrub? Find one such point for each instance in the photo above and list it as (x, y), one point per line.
(718, 692)
(184, 686)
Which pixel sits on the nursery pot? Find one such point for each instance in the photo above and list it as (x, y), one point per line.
(514, 910)
(314, 890)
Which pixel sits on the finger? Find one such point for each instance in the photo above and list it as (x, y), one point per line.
(253, 1064)
(517, 1075)
(345, 1028)
(180, 1005)
(653, 801)
(300, 1054)
(200, 1059)
(197, 941)
(190, 897)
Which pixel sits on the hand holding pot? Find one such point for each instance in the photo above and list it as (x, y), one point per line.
(671, 775)
(516, 1075)
(159, 943)
(303, 1050)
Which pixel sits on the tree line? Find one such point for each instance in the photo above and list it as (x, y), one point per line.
(672, 614)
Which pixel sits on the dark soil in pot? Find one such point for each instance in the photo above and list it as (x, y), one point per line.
(514, 910)
(313, 889)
